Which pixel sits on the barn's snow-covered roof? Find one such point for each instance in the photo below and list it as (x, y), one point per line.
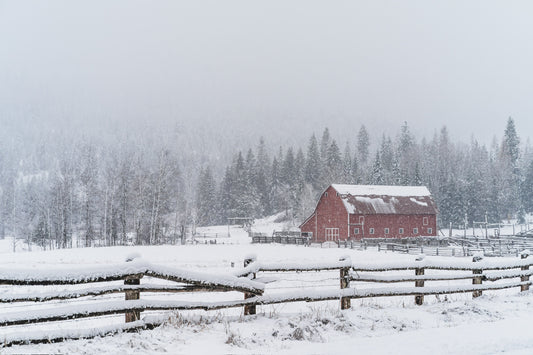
(376, 190)
(379, 199)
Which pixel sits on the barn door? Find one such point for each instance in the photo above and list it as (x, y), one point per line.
(332, 234)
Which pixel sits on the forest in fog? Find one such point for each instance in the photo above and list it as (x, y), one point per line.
(61, 188)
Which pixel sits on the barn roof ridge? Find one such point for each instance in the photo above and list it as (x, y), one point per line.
(384, 199)
(381, 190)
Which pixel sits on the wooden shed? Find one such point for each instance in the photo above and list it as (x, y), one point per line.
(346, 212)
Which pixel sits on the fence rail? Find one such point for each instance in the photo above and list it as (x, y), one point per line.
(450, 246)
(349, 281)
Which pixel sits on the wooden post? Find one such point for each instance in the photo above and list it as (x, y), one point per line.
(419, 299)
(524, 255)
(345, 283)
(477, 280)
(132, 316)
(249, 309)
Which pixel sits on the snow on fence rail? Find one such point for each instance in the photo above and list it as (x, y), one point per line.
(450, 246)
(348, 278)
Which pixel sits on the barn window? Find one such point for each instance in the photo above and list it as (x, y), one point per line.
(415, 230)
(430, 230)
(361, 219)
(400, 231)
(356, 231)
(332, 234)
(425, 221)
(325, 194)
(371, 231)
(386, 230)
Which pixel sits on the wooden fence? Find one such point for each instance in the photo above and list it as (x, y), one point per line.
(280, 237)
(257, 281)
(504, 246)
(131, 273)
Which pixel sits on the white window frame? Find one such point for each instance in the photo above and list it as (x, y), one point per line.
(371, 231)
(387, 231)
(425, 221)
(332, 234)
(361, 219)
(415, 230)
(430, 230)
(356, 231)
(401, 231)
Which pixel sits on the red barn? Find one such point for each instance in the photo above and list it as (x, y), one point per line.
(372, 211)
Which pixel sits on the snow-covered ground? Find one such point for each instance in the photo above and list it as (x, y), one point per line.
(499, 321)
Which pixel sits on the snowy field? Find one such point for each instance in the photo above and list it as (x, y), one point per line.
(499, 321)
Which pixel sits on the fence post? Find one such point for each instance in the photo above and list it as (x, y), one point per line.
(477, 280)
(419, 299)
(132, 316)
(249, 308)
(344, 276)
(524, 255)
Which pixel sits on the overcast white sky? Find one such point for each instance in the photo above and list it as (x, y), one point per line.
(272, 64)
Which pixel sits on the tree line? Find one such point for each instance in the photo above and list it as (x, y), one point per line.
(470, 182)
(90, 192)
(59, 189)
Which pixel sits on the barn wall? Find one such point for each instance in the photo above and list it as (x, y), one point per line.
(331, 213)
(309, 227)
(394, 223)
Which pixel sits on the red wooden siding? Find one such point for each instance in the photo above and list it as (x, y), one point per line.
(331, 212)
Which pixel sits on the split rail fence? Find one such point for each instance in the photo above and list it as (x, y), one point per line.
(504, 246)
(344, 280)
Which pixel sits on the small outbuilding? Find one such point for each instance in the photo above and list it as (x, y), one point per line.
(347, 212)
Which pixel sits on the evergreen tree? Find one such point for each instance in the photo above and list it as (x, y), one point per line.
(324, 145)
(387, 160)
(417, 180)
(377, 171)
(290, 180)
(406, 142)
(261, 179)
(277, 196)
(253, 199)
(347, 177)
(356, 174)
(363, 145)
(511, 143)
(334, 164)
(451, 203)
(313, 166)
(244, 204)
(226, 193)
(288, 170)
(510, 169)
(494, 196)
(206, 199)
(527, 189)
(299, 176)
